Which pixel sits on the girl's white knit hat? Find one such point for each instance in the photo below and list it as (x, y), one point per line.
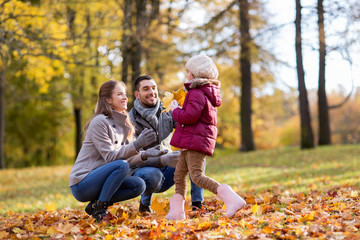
(201, 66)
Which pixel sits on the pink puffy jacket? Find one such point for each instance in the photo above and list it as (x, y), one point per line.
(196, 120)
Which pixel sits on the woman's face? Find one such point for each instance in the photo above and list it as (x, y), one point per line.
(189, 75)
(118, 100)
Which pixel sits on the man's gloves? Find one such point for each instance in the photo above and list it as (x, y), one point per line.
(170, 159)
(174, 104)
(146, 137)
(152, 152)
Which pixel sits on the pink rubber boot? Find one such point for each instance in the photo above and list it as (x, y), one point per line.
(176, 212)
(231, 199)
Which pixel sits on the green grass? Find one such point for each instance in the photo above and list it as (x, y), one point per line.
(276, 170)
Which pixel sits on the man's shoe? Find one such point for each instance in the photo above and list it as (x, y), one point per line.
(144, 209)
(198, 206)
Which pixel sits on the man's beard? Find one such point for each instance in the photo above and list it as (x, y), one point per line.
(151, 105)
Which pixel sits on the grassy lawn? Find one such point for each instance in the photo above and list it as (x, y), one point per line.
(276, 170)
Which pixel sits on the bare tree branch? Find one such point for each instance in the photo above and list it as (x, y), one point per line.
(218, 16)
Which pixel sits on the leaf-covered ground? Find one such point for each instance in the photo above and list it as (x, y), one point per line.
(291, 194)
(330, 215)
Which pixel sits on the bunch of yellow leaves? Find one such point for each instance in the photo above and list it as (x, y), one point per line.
(178, 95)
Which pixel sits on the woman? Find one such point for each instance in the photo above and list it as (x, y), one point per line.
(99, 174)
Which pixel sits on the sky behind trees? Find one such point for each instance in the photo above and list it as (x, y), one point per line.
(282, 13)
(338, 70)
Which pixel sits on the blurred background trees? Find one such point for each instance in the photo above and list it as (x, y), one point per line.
(56, 53)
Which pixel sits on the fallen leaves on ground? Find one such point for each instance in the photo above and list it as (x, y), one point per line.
(325, 215)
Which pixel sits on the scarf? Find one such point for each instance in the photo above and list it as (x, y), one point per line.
(149, 114)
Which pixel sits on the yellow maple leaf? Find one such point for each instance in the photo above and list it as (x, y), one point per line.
(255, 208)
(50, 207)
(178, 95)
(51, 231)
(354, 194)
(125, 215)
(307, 217)
(268, 230)
(204, 226)
(159, 206)
(167, 101)
(108, 237)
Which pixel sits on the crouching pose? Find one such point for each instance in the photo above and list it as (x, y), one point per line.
(100, 172)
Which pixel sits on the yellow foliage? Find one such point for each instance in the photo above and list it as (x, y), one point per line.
(108, 237)
(307, 217)
(125, 215)
(178, 95)
(50, 207)
(255, 208)
(159, 206)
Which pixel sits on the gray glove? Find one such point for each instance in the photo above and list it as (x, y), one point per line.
(151, 162)
(152, 152)
(170, 159)
(146, 137)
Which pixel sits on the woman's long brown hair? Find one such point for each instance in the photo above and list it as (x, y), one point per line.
(103, 107)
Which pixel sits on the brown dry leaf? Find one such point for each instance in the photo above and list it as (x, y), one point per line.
(4, 235)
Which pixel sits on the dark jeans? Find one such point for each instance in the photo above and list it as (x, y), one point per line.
(159, 180)
(109, 183)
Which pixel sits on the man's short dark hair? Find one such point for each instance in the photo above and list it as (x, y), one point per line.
(141, 78)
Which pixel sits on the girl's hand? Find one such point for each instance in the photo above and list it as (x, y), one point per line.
(174, 104)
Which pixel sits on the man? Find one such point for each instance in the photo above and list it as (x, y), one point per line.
(158, 173)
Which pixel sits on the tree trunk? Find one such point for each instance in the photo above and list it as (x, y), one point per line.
(324, 121)
(126, 41)
(247, 141)
(141, 22)
(78, 129)
(2, 111)
(77, 86)
(307, 137)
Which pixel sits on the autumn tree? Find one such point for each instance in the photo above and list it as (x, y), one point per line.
(346, 39)
(28, 53)
(247, 141)
(142, 13)
(324, 121)
(307, 137)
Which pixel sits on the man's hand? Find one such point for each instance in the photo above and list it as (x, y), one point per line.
(152, 152)
(170, 159)
(146, 137)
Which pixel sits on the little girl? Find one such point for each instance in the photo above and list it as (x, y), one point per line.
(196, 134)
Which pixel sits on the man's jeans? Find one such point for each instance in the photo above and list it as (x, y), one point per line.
(159, 180)
(109, 183)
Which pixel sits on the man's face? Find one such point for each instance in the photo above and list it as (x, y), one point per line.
(148, 93)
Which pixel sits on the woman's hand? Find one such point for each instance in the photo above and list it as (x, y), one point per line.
(152, 152)
(146, 137)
